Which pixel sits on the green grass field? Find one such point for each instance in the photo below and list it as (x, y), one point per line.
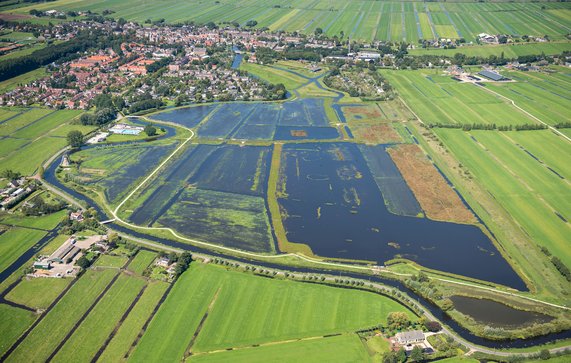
(45, 337)
(111, 261)
(16, 241)
(510, 51)
(437, 98)
(101, 321)
(141, 261)
(34, 135)
(342, 348)
(276, 311)
(121, 343)
(37, 293)
(46, 222)
(545, 95)
(274, 75)
(13, 323)
(361, 19)
(528, 190)
(22, 79)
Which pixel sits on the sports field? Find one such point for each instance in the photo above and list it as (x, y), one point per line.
(438, 99)
(277, 311)
(31, 135)
(361, 19)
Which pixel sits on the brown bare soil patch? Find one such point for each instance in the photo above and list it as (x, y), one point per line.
(14, 17)
(298, 133)
(380, 134)
(435, 196)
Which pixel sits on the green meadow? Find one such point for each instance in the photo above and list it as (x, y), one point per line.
(526, 172)
(509, 51)
(277, 310)
(341, 348)
(361, 19)
(437, 98)
(33, 135)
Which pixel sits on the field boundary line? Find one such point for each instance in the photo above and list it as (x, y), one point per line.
(527, 113)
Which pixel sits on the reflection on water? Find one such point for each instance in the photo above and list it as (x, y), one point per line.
(495, 314)
(342, 214)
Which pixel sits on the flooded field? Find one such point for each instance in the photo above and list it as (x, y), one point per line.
(334, 205)
(298, 119)
(495, 314)
(214, 193)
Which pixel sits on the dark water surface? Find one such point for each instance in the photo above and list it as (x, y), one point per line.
(496, 314)
(335, 206)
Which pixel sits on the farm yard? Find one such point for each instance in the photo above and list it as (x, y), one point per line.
(360, 20)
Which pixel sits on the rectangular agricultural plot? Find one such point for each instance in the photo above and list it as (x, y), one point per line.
(305, 310)
(13, 323)
(436, 102)
(359, 18)
(525, 180)
(44, 339)
(341, 348)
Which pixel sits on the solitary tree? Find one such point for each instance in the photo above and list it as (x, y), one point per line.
(150, 130)
(75, 138)
(416, 354)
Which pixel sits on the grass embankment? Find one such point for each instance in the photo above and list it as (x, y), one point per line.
(275, 213)
(213, 289)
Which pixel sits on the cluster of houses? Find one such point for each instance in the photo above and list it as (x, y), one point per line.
(15, 191)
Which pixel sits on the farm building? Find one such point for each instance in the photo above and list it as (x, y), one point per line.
(492, 75)
(409, 337)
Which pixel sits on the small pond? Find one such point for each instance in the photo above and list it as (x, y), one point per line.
(496, 314)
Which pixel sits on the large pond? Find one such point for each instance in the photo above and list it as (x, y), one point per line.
(333, 204)
(496, 314)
